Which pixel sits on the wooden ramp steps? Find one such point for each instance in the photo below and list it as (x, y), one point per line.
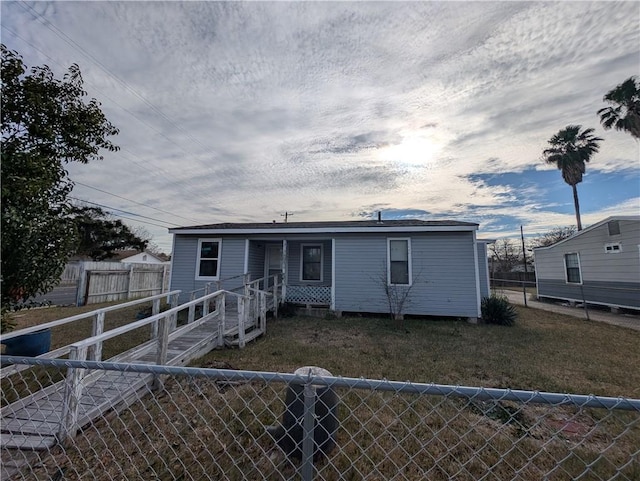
(33, 422)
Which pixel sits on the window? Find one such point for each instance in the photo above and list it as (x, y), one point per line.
(144, 257)
(613, 248)
(572, 267)
(311, 262)
(614, 227)
(399, 256)
(208, 262)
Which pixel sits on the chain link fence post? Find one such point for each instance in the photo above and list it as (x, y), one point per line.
(308, 430)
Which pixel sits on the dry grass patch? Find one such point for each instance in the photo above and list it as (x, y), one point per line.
(17, 386)
(199, 429)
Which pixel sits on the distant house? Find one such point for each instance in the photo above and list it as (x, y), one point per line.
(132, 256)
(600, 265)
(343, 266)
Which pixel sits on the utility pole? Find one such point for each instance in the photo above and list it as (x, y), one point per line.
(524, 260)
(286, 216)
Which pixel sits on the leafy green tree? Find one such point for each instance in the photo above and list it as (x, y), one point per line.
(46, 124)
(100, 235)
(570, 150)
(625, 113)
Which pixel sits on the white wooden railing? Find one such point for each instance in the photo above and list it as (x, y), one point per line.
(164, 329)
(98, 315)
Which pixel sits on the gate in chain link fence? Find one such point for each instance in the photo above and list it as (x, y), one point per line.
(213, 423)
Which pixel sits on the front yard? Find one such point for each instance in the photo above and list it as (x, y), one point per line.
(543, 351)
(199, 428)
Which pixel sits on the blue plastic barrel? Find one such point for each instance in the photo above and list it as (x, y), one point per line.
(28, 345)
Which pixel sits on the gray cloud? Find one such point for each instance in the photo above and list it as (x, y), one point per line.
(241, 110)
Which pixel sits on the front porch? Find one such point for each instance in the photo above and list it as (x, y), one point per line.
(305, 266)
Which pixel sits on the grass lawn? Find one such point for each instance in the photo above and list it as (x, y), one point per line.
(197, 428)
(17, 386)
(543, 351)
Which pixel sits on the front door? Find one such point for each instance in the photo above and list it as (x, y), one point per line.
(273, 261)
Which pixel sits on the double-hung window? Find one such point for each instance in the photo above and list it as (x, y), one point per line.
(208, 262)
(572, 268)
(311, 262)
(399, 261)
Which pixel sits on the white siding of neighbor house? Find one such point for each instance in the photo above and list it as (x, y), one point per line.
(141, 258)
(444, 282)
(607, 278)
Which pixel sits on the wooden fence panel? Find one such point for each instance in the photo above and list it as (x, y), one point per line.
(113, 281)
(106, 286)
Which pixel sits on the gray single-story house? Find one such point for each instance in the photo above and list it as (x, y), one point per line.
(599, 265)
(343, 266)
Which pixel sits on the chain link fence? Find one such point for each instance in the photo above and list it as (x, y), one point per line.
(219, 423)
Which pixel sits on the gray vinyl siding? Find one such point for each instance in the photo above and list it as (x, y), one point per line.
(620, 294)
(256, 259)
(183, 263)
(483, 270)
(607, 278)
(443, 268)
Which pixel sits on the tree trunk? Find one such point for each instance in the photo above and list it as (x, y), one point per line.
(577, 206)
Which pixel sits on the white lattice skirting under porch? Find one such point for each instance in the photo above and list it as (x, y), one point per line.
(309, 295)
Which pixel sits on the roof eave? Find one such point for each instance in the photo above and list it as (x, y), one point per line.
(328, 230)
(590, 228)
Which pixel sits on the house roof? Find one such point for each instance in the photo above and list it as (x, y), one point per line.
(592, 227)
(404, 225)
(126, 253)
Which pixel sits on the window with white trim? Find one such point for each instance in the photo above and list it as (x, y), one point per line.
(399, 261)
(613, 247)
(208, 261)
(311, 257)
(572, 268)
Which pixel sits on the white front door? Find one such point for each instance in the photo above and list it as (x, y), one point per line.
(273, 261)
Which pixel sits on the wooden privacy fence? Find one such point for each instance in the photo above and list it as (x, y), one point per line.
(113, 281)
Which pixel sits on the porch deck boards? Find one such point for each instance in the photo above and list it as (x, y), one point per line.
(33, 422)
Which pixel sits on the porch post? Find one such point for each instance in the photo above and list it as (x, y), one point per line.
(332, 306)
(285, 273)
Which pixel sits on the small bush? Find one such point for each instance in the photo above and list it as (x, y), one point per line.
(497, 310)
(286, 309)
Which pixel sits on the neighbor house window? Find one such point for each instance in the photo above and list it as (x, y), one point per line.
(572, 267)
(208, 262)
(613, 248)
(399, 257)
(614, 227)
(311, 260)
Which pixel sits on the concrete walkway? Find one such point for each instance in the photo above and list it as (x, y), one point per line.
(624, 320)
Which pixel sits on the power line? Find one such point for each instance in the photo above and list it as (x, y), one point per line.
(121, 151)
(142, 121)
(134, 201)
(127, 212)
(80, 49)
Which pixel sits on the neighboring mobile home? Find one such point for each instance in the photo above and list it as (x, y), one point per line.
(343, 266)
(599, 265)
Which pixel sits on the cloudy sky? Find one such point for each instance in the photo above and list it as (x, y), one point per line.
(334, 110)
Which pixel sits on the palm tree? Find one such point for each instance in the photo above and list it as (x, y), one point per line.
(625, 113)
(570, 150)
